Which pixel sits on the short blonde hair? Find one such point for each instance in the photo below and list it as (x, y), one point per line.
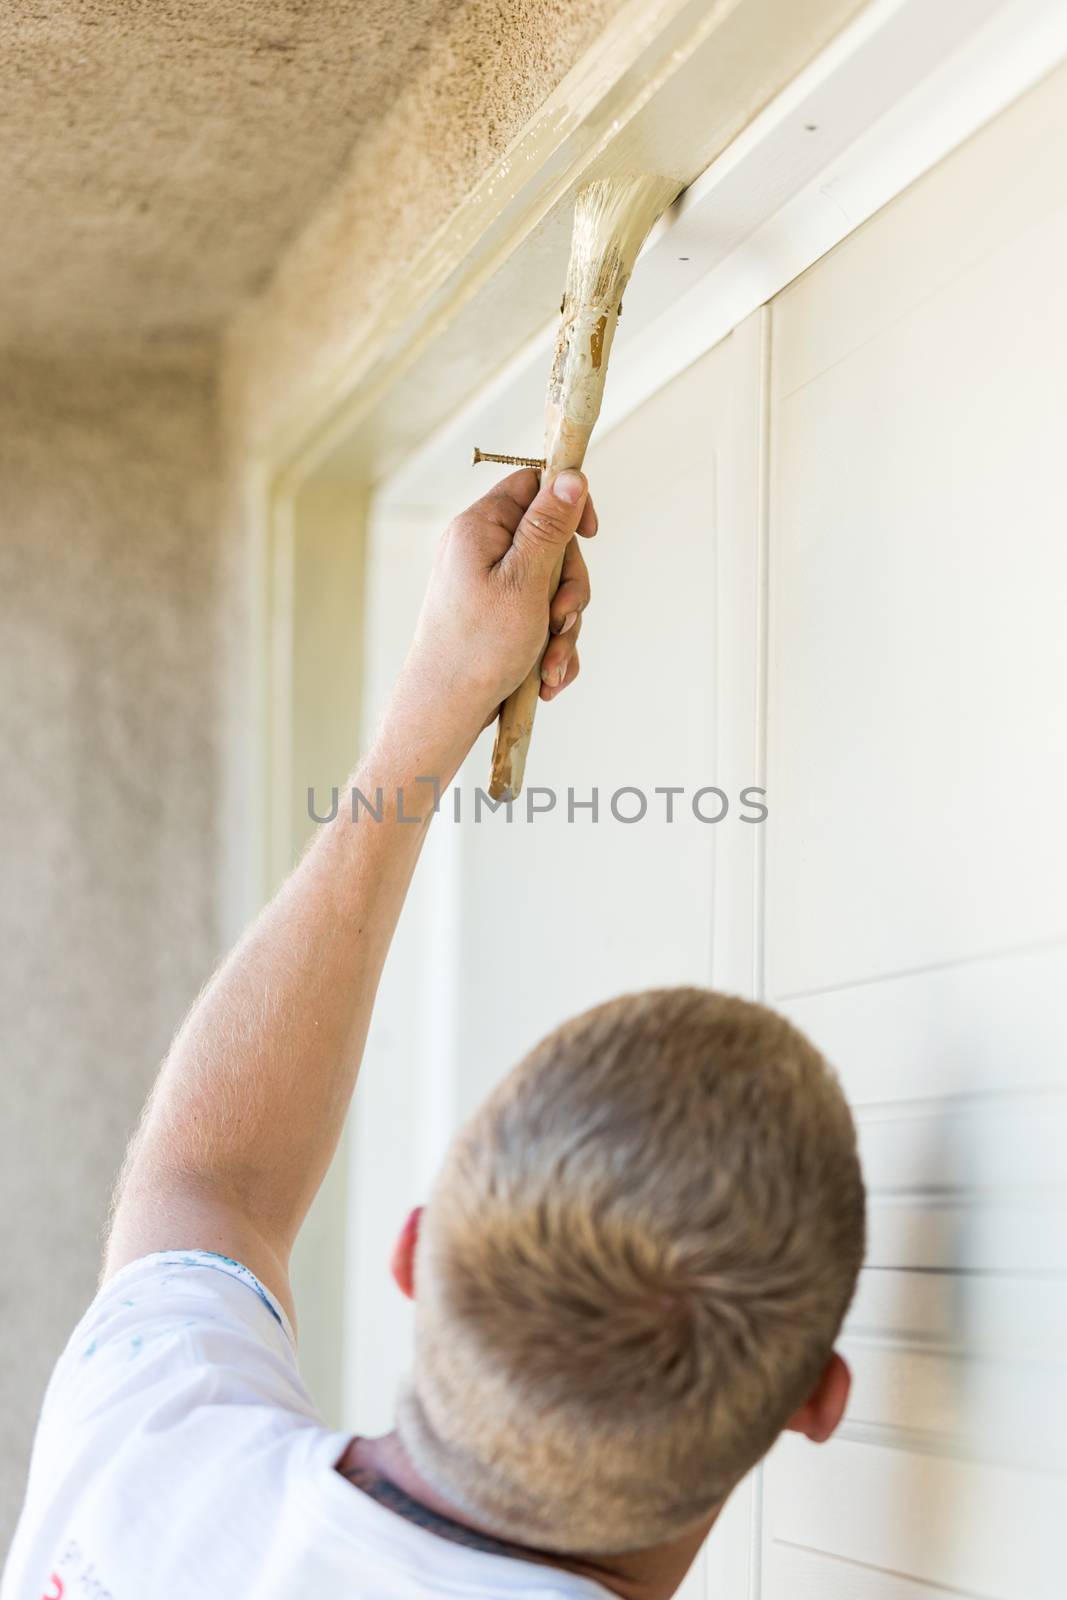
(631, 1271)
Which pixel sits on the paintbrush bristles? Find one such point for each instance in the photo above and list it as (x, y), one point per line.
(612, 218)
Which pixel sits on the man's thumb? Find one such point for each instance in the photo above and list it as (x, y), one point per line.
(551, 518)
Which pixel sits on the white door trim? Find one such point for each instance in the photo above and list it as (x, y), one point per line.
(894, 93)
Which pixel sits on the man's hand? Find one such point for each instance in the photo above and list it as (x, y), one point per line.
(488, 611)
(250, 1103)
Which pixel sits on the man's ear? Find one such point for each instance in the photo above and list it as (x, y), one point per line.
(825, 1406)
(403, 1262)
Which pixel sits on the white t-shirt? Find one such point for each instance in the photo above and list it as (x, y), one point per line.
(179, 1454)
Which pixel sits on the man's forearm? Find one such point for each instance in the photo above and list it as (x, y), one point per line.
(249, 1106)
(252, 1098)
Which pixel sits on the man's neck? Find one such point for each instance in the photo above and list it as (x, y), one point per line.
(383, 1469)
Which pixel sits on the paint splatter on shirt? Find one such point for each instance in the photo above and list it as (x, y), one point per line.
(179, 1453)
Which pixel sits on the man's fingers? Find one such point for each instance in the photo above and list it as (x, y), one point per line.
(549, 691)
(572, 596)
(590, 521)
(550, 520)
(483, 533)
(493, 527)
(571, 599)
(556, 661)
(509, 497)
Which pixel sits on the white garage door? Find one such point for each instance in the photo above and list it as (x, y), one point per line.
(833, 562)
(916, 886)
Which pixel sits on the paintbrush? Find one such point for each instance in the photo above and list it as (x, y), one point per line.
(612, 219)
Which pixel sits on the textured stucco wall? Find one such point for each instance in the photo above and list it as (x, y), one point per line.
(157, 169)
(158, 157)
(108, 655)
(161, 168)
(469, 92)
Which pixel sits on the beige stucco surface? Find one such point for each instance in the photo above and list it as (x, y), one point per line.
(464, 100)
(158, 157)
(109, 637)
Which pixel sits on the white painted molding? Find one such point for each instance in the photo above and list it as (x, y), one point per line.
(666, 88)
(899, 89)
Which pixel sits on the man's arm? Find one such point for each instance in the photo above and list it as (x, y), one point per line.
(248, 1108)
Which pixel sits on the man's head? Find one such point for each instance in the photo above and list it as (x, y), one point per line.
(631, 1273)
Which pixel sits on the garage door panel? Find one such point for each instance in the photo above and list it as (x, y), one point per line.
(793, 1573)
(981, 1528)
(965, 1029)
(916, 862)
(986, 1313)
(918, 664)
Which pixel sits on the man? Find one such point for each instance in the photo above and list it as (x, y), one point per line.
(627, 1281)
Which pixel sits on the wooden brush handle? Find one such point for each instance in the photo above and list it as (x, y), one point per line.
(569, 420)
(612, 217)
(516, 724)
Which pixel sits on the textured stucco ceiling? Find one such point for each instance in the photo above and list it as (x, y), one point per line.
(159, 154)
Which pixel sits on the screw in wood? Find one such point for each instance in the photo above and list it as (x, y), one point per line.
(508, 461)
